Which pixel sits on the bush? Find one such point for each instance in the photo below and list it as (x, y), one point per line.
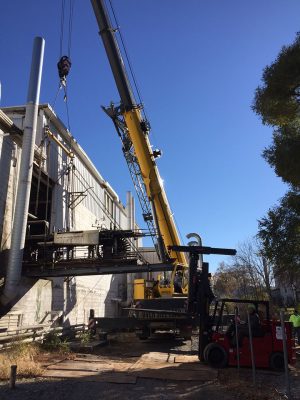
(85, 337)
(54, 342)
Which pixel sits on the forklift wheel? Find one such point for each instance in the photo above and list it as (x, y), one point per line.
(215, 355)
(205, 353)
(277, 361)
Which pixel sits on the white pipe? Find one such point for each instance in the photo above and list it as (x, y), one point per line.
(14, 269)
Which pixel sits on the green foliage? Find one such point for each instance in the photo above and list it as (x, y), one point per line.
(53, 342)
(284, 154)
(277, 100)
(85, 337)
(279, 232)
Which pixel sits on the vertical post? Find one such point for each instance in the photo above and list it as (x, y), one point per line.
(24, 184)
(13, 376)
(193, 281)
(285, 355)
(237, 338)
(251, 349)
(91, 324)
(204, 299)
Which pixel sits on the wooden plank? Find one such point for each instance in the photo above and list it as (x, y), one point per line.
(80, 366)
(155, 356)
(60, 373)
(186, 359)
(111, 377)
(72, 365)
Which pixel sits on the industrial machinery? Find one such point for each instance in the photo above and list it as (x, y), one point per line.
(133, 129)
(164, 300)
(225, 348)
(219, 342)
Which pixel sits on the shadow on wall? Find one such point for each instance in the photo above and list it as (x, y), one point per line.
(71, 298)
(64, 298)
(115, 294)
(3, 262)
(25, 286)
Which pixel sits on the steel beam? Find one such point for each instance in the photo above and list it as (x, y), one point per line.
(83, 269)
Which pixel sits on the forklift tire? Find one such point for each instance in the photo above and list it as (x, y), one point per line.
(277, 361)
(215, 355)
(205, 353)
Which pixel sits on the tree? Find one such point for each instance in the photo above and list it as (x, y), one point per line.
(248, 275)
(283, 154)
(277, 102)
(251, 259)
(279, 233)
(227, 282)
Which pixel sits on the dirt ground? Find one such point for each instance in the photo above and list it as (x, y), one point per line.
(160, 368)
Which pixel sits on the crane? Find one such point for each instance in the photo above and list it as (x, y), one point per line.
(133, 129)
(178, 307)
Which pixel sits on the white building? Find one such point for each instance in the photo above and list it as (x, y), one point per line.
(69, 194)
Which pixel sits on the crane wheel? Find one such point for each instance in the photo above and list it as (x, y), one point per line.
(277, 361)
(215, 355)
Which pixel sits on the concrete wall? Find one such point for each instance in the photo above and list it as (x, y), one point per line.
(72, 298)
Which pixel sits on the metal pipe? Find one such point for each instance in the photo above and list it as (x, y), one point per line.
(59, 143)
(285, 355)
(14, 269)
(251, 349)
(236, 318)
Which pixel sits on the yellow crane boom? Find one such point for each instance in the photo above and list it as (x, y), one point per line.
(133, 124)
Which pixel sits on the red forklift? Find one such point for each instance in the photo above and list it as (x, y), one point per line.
(218, 344)
(224, 346)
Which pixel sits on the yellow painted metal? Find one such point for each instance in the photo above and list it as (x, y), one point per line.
(59, 143)
(153, 184)
(139, 289)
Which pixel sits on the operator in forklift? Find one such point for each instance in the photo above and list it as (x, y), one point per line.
(243, 328)
(254, 324)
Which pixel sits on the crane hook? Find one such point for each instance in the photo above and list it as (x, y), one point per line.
(63, 66)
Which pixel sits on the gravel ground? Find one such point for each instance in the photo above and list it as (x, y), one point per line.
(144, 389)
(227, 387)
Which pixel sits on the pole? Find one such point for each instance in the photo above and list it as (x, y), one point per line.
(251, 349)
(14, 269)
(237, 338)
(13, 376)
(285, 355)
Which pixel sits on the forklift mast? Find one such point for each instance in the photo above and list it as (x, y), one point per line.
(200, 294)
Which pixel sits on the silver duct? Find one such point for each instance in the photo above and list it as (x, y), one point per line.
(14, 268)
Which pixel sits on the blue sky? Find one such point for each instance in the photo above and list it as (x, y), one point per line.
(197, 63)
